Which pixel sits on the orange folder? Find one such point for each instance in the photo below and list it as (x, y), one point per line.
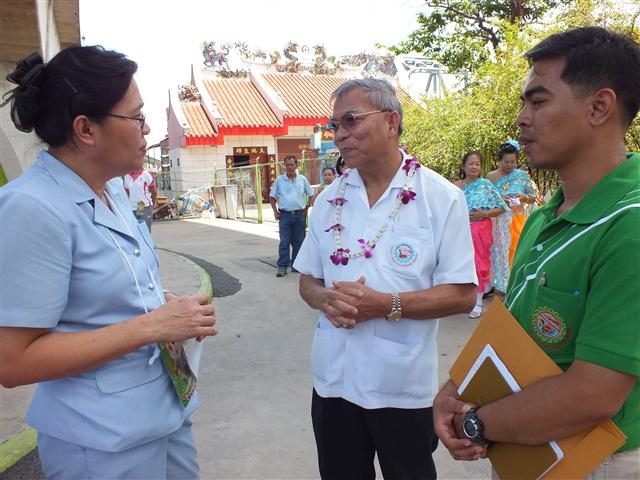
(528, 364)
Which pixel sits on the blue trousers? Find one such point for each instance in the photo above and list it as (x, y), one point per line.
(167, 458)
(291, 226)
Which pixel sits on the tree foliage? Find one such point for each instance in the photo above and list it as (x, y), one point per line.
(463, 34)
(482, 115)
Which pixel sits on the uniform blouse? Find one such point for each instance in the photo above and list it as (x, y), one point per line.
(71, 264)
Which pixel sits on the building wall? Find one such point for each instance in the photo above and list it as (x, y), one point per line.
(197, 164)
(17, 149)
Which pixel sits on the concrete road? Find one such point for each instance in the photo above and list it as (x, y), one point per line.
(255, 383)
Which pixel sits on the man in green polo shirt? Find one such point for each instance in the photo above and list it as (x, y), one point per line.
(575, 279)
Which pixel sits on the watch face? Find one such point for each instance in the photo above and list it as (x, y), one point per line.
(470, 428)
(394, 316)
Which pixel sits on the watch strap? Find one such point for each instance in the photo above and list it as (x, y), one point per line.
(472, 416)
(396, 309)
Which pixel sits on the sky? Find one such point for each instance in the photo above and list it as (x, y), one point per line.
(164, 36)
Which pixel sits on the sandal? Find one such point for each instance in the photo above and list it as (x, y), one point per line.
(490, 293)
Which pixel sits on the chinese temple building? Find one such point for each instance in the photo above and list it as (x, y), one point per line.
(246, 108)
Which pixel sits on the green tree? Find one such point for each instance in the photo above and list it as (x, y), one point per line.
(479, 117)
(464, 34)
(482, 115)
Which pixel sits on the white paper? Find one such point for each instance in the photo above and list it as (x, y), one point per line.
(489, 352)
(193, 348)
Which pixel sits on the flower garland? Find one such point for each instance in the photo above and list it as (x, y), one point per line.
(342, 255)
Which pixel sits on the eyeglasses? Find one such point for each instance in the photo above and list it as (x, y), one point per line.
(349, 120)
(140, 118)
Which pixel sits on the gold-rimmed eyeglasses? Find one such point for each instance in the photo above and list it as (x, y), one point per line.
(140, 118)
(349, 120)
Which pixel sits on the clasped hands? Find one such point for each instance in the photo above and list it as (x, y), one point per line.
(347, 303)
(448, 414)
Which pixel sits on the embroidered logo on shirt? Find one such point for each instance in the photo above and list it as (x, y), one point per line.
(403, 254)
(549, 327)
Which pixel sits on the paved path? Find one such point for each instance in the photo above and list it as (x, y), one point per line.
(255, 385)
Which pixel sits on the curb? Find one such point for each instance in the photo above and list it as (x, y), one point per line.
(17, 447)
(205, 280)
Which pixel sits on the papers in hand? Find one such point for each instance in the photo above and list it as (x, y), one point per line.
(488, 380)
(177, 366)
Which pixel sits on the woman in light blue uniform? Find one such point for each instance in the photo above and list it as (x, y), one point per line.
(82, 304)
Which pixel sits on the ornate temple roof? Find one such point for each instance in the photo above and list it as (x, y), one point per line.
(240, 103)
(306, 97)
(239, 92)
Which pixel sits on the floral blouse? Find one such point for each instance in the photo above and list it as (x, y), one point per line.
(483, 195)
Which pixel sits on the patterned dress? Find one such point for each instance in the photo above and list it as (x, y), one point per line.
(505, 237)
(482, 195)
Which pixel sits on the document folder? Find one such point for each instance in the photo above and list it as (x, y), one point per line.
(488, 380)
(527, 363)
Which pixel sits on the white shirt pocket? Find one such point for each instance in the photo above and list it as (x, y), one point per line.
(409, 251)
(398, 369)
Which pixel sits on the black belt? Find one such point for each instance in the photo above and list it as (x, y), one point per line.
(294, 212)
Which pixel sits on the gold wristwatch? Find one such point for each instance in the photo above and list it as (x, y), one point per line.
(396, 310)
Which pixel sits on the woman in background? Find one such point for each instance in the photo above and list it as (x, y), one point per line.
(516, 189)
(328, 176)
(484, 203)
(530, 207)
(83, 309)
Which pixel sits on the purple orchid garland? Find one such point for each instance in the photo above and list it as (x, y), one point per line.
(342, 255)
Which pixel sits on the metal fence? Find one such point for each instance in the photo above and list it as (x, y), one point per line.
(249, 185)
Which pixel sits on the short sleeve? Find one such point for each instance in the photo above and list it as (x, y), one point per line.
(309, 188)
(308, 260)
(455, 263)
(36, 251)
(274, 189)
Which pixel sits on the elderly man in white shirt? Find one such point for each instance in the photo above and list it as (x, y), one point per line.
(387, 255)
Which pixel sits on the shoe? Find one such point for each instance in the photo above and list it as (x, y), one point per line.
(490, 293)
(476, 312)
(282, 271)
(293, 270)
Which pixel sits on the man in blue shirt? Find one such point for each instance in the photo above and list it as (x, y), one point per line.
(289, 196)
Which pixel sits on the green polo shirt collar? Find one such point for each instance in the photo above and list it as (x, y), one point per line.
(601, 198)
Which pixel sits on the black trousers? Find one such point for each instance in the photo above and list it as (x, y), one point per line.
(349, 436)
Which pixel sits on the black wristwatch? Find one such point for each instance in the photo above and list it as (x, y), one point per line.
(473, 428)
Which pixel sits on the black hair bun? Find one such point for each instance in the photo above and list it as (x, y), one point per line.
(510, 146)
(25, 98)
(27, 70)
